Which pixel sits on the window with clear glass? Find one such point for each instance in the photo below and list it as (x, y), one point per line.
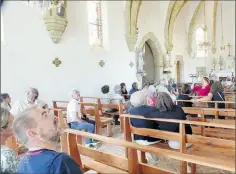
(200, 38)
(95, 23)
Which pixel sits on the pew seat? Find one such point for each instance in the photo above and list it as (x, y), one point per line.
(90, 164)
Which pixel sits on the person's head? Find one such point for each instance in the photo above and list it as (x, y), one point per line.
(205, 81)
(164, 102)
(32, 94)
(216, 87)
(138, 98)
(123, 86)
(36, 127)
(105, 89)
(75, 94)
(152, 92)
(163, 82)
(43, 105)
(6, 124)
(186, 89)
(146, 85)
(117, 89)
(5, 98)
(135, 85)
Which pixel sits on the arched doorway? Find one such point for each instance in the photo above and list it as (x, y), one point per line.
(152, 55)
(149, 65)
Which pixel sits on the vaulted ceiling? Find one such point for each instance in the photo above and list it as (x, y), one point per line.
(174, 9)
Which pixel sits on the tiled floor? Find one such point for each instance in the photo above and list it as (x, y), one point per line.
(164, 162)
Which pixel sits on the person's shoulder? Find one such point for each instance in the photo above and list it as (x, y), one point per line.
(63, 163)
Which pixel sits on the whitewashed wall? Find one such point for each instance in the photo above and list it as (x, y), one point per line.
(26, 57)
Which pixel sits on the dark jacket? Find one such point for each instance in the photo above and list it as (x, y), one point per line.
(176, 113)
(184, 104)
(141, 123)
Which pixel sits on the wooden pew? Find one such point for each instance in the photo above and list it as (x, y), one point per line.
(102, 162)
(207, 147)
(205, 102)
(100, 122)
(209, 131)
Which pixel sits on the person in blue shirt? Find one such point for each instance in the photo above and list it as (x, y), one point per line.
(40, 132)
(134, 88)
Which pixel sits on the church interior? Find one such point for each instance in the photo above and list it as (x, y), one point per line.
(118, 86)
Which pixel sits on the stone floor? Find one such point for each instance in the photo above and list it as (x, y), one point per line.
(164, 162)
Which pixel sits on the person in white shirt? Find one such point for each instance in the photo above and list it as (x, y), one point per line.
(21, 105)
(75, 119)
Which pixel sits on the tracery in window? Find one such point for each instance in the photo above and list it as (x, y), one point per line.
(95, 23)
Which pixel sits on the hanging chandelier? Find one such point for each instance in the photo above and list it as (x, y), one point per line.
(43, 5)
(205, 45)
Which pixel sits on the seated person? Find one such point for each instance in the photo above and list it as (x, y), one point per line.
(75, 119)
(21, 105)
(162, 87)
(167, 110)
(152, 96)
(134, 88)
(140, 108)
(5, 101)
(9, 160)
(124, 92)
(184, 95)
(116, 97)
(106, 97)
(203, 89)
(40, 132)
(216, 94)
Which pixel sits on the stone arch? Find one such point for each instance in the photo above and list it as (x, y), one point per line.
(157, 52)
(131, 19)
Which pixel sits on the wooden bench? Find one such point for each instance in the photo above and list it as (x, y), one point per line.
(209, 131)
(88, 109)
(100, 122)
(102, 162)
(219, 150)
(205, 102)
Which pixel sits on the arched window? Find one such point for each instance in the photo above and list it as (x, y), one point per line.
(200, 38)
(95, 23)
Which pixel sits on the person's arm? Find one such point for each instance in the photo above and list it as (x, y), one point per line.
(206, 98)
(64, 164)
